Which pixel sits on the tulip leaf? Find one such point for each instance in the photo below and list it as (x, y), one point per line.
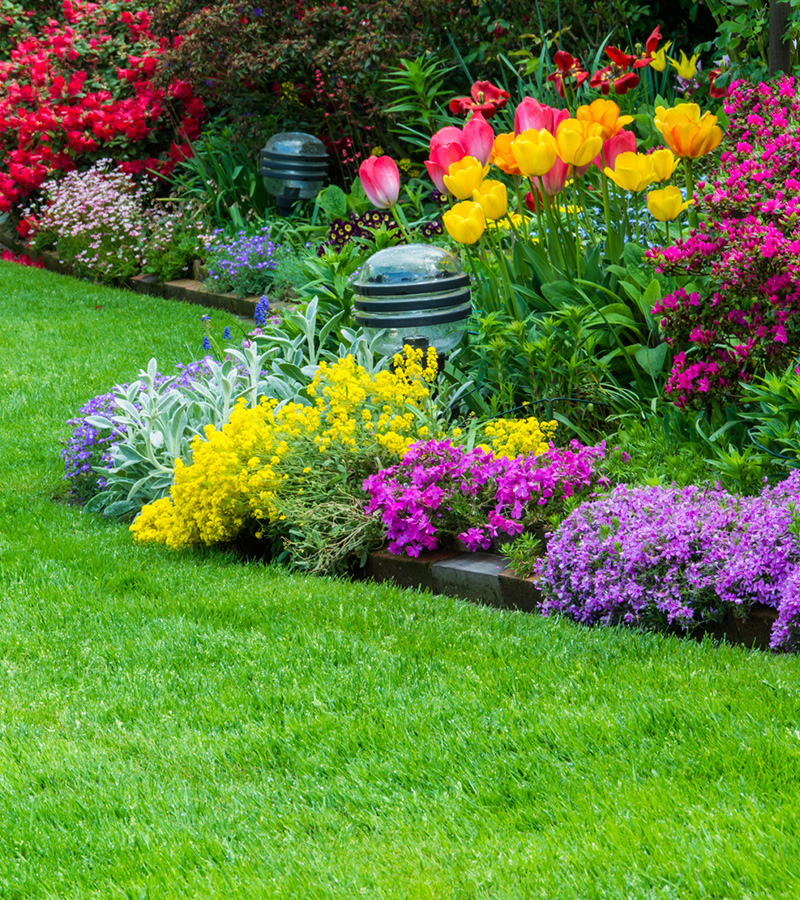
(652, 359)
(560, 293)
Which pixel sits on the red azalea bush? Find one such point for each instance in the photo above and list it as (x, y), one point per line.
(82, 87)
(740, 313)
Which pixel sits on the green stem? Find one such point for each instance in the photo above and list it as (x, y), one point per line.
(554, 239)
(399, 217)
(576, 206)
(687, 169)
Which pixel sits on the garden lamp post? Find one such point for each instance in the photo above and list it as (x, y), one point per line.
(293, 166)
(417, 294)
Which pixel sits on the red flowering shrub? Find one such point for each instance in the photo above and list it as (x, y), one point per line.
(82, 87)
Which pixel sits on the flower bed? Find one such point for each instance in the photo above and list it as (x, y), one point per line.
(659, 556)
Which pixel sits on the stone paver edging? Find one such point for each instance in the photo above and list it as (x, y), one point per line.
(486, 578)
(188, 290)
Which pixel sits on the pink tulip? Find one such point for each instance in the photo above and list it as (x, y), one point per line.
(478, 138)
(532, 114)
(451, 144)
(380, 179)
(553, 182)
(622, 142)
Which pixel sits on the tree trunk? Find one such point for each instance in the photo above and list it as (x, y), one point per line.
(780, 51)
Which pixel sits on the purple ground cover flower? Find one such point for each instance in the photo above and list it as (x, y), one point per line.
(659, 555)
(244, 263)
(440, 489)
(88, 449)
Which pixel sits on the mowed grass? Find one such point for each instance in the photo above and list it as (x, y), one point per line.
(187, 725)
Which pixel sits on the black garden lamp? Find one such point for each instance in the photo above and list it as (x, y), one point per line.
(417, 294)
(293, 166)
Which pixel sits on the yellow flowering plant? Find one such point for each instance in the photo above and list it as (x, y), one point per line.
(274, 468)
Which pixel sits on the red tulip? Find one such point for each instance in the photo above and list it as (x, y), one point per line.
(486, 98)
(652, 42)
(604, 79)
(716, 92)
(380, 179)
(567, 66)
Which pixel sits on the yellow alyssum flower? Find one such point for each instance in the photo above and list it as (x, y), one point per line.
(632, 172)
(689, 133)
(605, 113)
(667, 203)
(465, 222)
(519, 437)
(578, 142)
(240, 471)
(492, 197)
(687, 67)
(664, 163)
(535, 152)
(658, 60)
(464, 176)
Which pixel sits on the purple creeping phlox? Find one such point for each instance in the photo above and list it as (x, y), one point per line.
(744, 312)
(439, 488)
(655, 556)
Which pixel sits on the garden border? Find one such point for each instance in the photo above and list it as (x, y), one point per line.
(486, 578)
(187, 290)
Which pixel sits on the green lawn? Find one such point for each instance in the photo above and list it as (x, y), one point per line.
(186, 725)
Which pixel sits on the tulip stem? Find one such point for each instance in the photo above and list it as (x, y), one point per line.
(576, 200)
(554, 235)
(687, 168)
(402, 224)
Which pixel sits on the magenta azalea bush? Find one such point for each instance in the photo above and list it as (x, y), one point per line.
(655, 556)
(741, 313)
(440, 489)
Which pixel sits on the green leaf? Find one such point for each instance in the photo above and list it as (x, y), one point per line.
(333, 201)
(652, 359)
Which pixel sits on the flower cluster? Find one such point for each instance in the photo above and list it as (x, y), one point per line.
(99, 221)
(441, 489)
(743, 312)
(238, 472)
(245, 263)
(664, 555)
(83, 83)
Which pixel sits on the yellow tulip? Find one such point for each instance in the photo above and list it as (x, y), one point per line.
(464, 176)
(686, 68)
(465, 222)
(632, 171)
(502, 157)
(577, 142)
(492, 197)
(667, 204)
(606, 114)
(687, 132)
(664, 163)
(535, 152)
(658, 60)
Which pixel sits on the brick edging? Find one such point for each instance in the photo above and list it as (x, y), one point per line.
(187, 290)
